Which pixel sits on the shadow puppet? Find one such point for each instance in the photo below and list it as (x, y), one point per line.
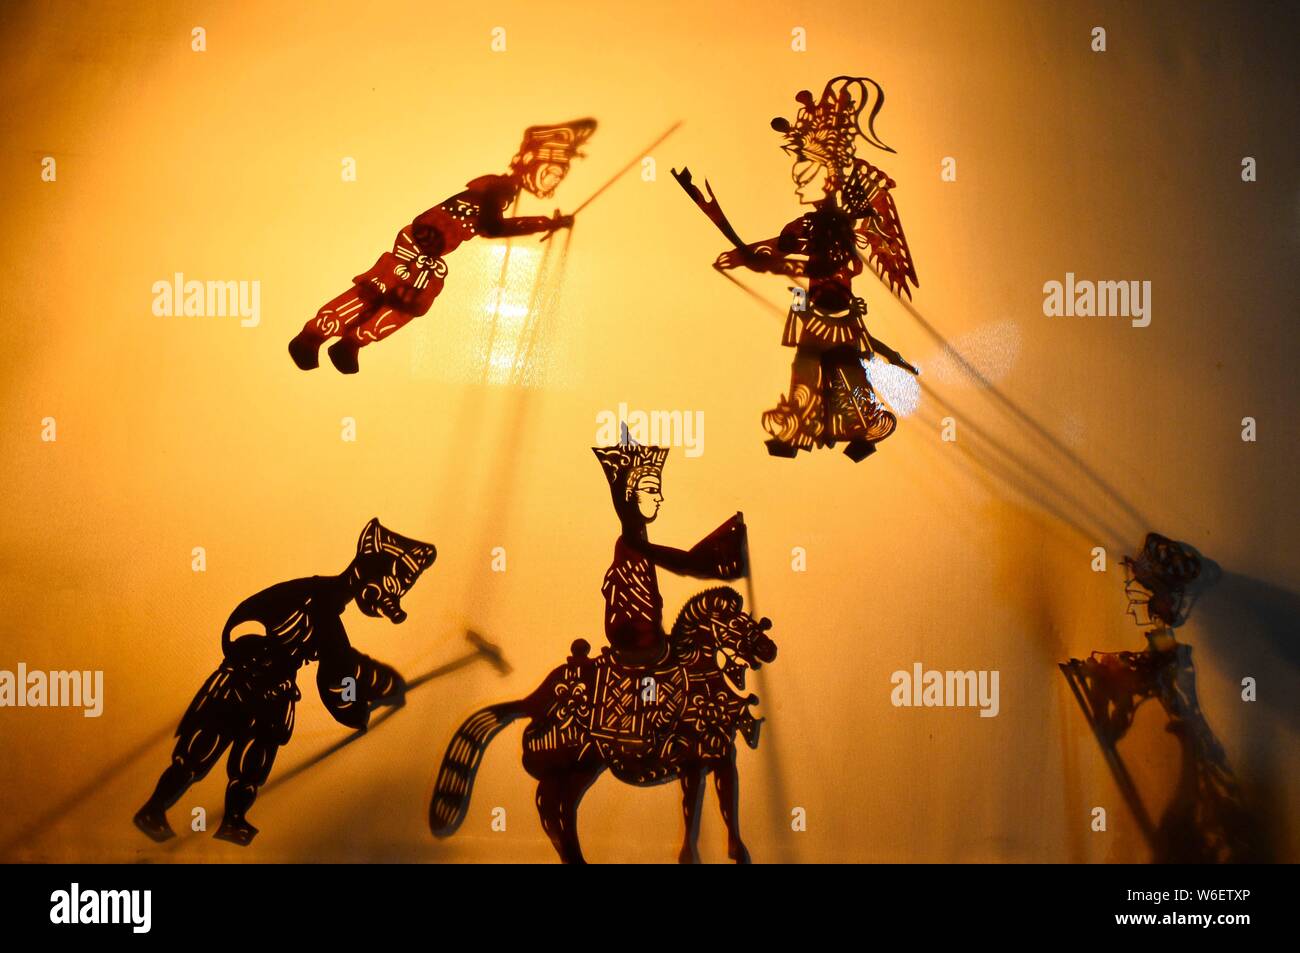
(831, 397)
(1207, 819)
(650, 707)
(247, 704)
(403, 283)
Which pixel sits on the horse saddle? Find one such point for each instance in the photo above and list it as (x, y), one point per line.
(636, 709)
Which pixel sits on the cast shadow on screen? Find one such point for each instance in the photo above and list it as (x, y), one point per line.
(1208, 818)
(1034, 428)
(480, 650)
(1009, 464)
(1248, 626)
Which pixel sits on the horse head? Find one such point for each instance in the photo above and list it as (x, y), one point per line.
(714, 628)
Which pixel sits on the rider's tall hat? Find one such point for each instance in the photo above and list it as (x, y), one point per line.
(627, 462)
(825, 129)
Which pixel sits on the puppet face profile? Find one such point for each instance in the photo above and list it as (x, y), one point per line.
(545, 154)
(649, 496)
(1156, 581)
(635, 476)
(1139, 606)
(823, 136)
(811, 181)
(386, 566)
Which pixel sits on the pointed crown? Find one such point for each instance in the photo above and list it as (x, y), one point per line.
(825, 130)
(627, 462)
(376, 538)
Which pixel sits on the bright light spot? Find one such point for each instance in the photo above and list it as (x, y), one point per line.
(895, 386)
(987, 352)
(509, 322)
(510, 312)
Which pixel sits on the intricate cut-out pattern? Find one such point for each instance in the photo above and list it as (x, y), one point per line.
(247, 704)
(852, 220)
(403, 283)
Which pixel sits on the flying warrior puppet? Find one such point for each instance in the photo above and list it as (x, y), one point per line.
(403, 283)
(851, 220)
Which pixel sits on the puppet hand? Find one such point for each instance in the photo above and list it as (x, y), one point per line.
(733, 258)
(396, 694)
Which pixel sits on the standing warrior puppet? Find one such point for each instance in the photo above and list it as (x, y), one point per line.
(247, 704)
(852, 216)
(654, 706)
(404, 282)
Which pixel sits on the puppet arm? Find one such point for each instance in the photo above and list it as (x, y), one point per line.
(374, 683)
(890, 355)
(786, 254)
(720, 555)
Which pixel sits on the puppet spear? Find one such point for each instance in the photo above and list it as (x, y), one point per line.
(621, 172)
(482, 650)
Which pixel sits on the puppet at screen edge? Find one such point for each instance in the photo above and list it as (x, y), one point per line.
(1206, 820)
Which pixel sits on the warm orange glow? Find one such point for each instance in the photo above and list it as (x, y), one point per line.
(183, 432)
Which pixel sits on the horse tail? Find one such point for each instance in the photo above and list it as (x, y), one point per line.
(455, 782)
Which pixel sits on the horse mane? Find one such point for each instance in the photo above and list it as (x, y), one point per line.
(699, 608)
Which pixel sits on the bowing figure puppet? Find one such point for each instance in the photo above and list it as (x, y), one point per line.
(247, 704)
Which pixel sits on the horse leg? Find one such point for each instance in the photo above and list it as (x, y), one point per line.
(727, 780)
(558, 796)
(692, 779)
(550, 808)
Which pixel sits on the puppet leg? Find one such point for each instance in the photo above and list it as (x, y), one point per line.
(251, 759)
(248, 768)
(692, 790)
(375, 327)
(727, 781)
(795, 422)
(558, 796)
(192, 759)
(330, 321)
(204, 733)
(852, 409)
